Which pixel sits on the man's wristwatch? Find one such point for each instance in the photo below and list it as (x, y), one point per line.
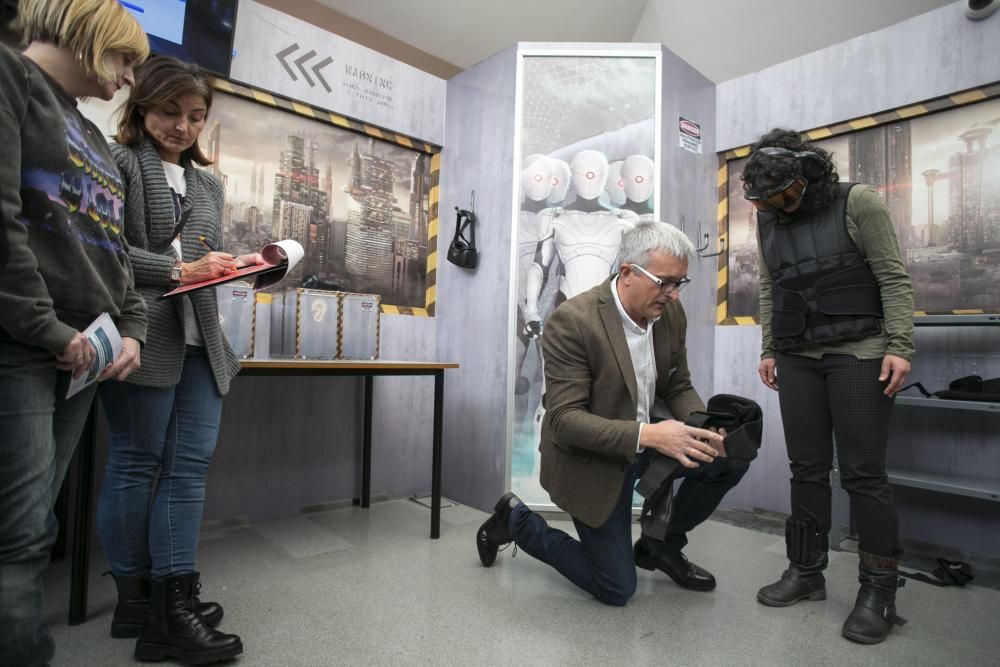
(175, 271)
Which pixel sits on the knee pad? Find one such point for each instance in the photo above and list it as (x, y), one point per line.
(656, 512)
(742, 419)
(660, 470)
(804, 543)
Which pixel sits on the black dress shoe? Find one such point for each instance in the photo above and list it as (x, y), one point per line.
(684, 573)
(495, 531)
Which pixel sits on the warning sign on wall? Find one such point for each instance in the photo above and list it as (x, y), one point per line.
(689, 134)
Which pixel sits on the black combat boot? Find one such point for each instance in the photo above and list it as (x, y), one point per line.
(210, 611)
(133, 606)
(800, 581)
(874, 611)
(806, 547)
(174, 630)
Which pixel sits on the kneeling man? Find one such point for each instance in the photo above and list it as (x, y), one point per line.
(608, 354)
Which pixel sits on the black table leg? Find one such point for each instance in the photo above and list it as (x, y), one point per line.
(82, 520)
(436, 460)
(366, 453)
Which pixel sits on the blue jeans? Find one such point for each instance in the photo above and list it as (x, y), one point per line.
(162, 441)
(601, 562)
(40, 429)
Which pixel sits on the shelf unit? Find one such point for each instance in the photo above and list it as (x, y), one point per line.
(940, 482)
(843, 526)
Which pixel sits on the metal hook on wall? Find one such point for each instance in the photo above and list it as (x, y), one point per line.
(704, 246)
(472, 205)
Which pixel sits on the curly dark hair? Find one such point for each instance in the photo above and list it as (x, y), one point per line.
(764, 172)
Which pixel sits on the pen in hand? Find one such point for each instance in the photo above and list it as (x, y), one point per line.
(205, 243)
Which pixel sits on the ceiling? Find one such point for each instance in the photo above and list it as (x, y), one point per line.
(722, 39)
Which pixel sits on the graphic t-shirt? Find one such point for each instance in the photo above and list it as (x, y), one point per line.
(61, 205)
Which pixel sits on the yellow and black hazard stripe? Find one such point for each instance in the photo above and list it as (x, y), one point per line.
(433, 224)
(903, 113)
(323, 115)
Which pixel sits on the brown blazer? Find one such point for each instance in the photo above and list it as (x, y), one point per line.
(590, 433)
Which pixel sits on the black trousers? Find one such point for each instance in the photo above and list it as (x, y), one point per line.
(700, 492)
(839, 396)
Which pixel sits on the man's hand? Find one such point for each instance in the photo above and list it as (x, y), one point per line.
(767, 373)
(894, 369)
(77, 357)
(679, 441)
(126, 362)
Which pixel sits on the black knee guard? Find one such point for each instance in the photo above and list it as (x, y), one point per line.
(804, 542)
(740, 417)
(656, 511)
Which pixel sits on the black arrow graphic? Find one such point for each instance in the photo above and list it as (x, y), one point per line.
(317, 67)
(281, 59)
(299, 61)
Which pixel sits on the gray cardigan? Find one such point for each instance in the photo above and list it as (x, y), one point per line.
(149, 221)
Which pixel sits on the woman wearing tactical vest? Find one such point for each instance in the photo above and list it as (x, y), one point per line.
(836, 312)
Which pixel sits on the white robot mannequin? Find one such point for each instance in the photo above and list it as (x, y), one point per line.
(584, 237)
(638, 179)
(536, 186)
(615, 187)
(560, 195)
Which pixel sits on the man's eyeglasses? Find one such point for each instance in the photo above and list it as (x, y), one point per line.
(666, 286)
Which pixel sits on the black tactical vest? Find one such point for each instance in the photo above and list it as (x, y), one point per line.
(823, 289)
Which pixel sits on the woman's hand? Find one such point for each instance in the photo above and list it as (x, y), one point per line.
(77, 357)
(252, 259)
(126, 362)
(212, 265)
(768, 374)
(894, 369)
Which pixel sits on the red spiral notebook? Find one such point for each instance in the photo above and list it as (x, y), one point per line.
(279, 259)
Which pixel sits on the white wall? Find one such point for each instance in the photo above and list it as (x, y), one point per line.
(934, 54)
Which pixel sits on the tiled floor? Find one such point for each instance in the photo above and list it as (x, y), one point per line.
(367, 587)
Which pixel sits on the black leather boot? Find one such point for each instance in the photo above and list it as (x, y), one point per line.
(133, 606)
(174, 630)
(806, 546)
(874, 611)
(801, 581)
(210, 611)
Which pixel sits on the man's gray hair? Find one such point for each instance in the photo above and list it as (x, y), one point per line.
(647, 237)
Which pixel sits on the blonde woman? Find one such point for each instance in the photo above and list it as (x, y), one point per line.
(63, 262)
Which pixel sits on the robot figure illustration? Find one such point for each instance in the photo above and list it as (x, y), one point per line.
(584, 238)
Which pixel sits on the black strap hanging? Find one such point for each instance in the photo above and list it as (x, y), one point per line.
(947, 573)
(462, 251)
(163, 246)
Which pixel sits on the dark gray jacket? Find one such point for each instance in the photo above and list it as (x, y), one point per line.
(149, 222)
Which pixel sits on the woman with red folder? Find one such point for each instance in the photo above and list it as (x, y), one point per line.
(164, 421)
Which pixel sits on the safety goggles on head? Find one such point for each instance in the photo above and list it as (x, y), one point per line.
(785, 196)
(666, 286)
